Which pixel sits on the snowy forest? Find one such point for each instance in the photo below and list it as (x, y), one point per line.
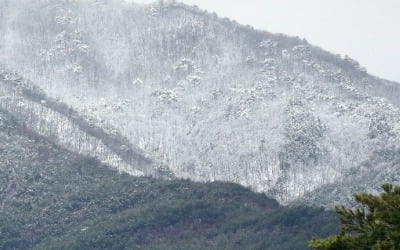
(169, 90)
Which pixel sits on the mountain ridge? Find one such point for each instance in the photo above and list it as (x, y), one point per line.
(52, 198)
(20, 97)
(212, 99)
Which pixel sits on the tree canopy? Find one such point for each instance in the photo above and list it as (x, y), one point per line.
(373, 225)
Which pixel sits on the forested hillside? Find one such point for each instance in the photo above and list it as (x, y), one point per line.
(208, 99)
(64, 126)
(54, 199)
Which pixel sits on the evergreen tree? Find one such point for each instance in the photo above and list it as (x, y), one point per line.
(374, 226)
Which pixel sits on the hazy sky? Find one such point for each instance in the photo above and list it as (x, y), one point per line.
(366, 30)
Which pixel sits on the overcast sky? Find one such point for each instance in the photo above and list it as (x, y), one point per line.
(366, 30)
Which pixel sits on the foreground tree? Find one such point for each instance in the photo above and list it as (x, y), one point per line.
(374, 226)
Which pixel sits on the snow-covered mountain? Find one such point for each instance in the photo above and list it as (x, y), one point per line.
(52, 198)
(57, 122)
(210, 98)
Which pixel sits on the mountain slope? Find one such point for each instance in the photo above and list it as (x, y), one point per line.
(54, 199)
(212, 99)
(61, 124)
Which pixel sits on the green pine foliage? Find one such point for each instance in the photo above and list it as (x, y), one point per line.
(374, 226)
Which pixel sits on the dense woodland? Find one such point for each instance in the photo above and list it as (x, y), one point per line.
(63, 125)
(201, 97)
(162, 126)
(54, 199)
